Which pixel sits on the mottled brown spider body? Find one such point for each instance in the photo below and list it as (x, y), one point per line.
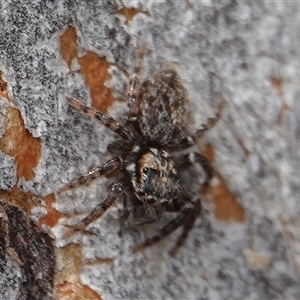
(154, 130)
(162, 104)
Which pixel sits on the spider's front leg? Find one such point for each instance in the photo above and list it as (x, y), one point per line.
(210, 123)
(116, 190)
(191, 216)
(134, 85)
(193, 158)
(186, 218)
(187, 141)
(106, 120)
(109, 166)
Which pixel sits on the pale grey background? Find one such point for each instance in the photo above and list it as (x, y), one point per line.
(223, 50)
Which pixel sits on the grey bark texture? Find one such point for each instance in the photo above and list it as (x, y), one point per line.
(227, 51)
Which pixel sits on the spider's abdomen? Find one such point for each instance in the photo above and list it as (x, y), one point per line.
(162, 107)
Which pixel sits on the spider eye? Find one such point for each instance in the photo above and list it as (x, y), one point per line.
(146, 170)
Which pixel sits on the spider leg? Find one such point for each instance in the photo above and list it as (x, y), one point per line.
(191, 158)
(186, 218)
(109, 166)
(126, 213)
(134, 84)
(165, 231)
(105, 119)
(116, 190)
(142, 214)
(210, 123)
(187, 227)
(118, 146)
(188, 141)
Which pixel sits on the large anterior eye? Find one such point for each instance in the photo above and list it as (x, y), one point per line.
(149, 172)
(146, 170)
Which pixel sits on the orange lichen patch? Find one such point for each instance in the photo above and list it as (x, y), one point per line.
(68, 264)
(94, 69)
(76, 291)
(68, 269)
(226, 208)
(53, 215)
(26, 201)
(68, 46)
(19, 199)
(20, 144)
(209, 152)
(3, 87)
(128, 13)
(100, 261)
(277, 84)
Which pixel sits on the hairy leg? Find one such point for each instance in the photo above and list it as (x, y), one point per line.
(134, 85)
(187, 141)
(186, 218)
(109, 166)
(193, 158)
(106, 120)
(115, 192)
(140, 214)
(191, 218)
(165, 231)
(210, 123)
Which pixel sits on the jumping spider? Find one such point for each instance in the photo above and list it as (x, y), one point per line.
(156, 127)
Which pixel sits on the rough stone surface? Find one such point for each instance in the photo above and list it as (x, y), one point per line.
(7, 172)
(7, 163)
(243, 53)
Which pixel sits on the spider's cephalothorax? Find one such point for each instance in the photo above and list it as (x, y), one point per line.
(155, 128)
(154, 177)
